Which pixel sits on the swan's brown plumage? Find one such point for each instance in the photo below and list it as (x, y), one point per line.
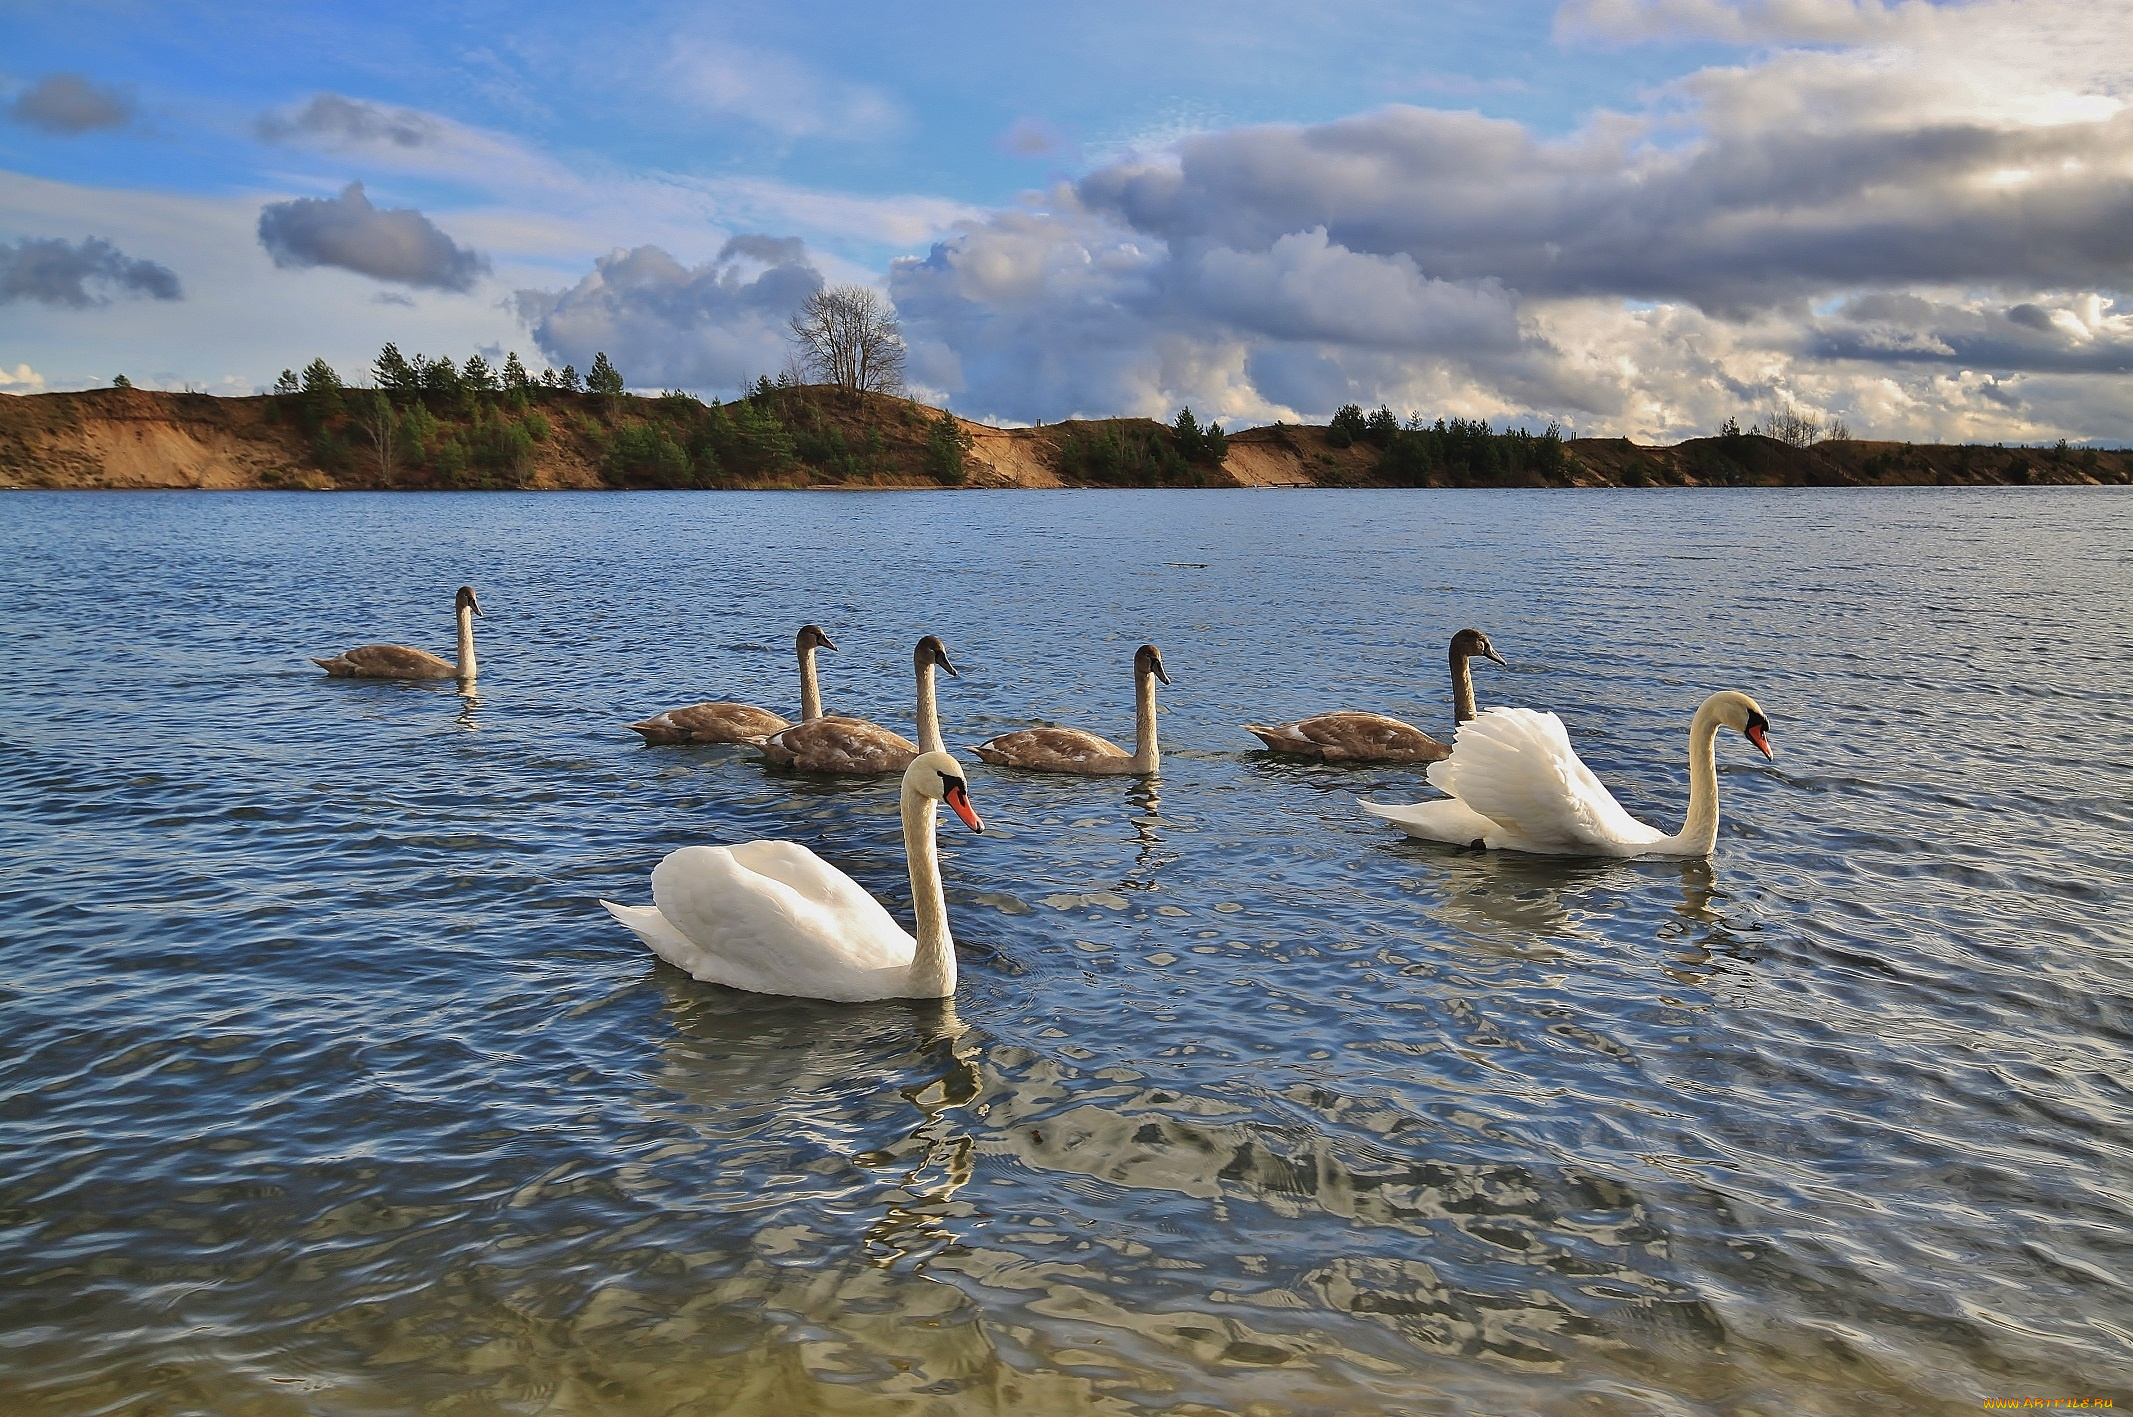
(1055, 750)
(841, 745)
(388, 662)
(725, 721)
(838, 743)
(1352, 737)
(1348, 736)
(1074, 751)
(399, 661)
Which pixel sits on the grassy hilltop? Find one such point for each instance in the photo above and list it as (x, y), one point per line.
(811, 436)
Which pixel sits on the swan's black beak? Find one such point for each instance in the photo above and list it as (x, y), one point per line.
(1489, 652)
(940, 657)
(957, 796)
(1756, 731)
(1158, 668)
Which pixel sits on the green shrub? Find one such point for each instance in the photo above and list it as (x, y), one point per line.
(644, 453)
(418, 429)
(1122, 456)
(503, 447)
(330, 450)
(448, 462)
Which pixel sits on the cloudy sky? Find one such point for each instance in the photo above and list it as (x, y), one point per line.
(1632, 217)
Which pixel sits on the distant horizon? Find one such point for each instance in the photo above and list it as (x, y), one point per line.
(1633, 218)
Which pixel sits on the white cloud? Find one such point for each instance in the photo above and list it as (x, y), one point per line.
(1954, 195)
(775, 91)
(708, 327)
(1738, 21)
(22, 379)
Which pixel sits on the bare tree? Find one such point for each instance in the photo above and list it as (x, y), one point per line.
(1794, 426)
(375, 415)
(847, 335)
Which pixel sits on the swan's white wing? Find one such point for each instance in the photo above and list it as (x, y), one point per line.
(1516, 767)
(662, 939)
(801, 927)
(1448, 820)
(839, 901)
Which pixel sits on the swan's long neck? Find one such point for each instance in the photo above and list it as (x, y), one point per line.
(929, 716)
(1462, 686)
(810, 691)
(1700, 832)
(933, 965)
(466, 642)
(1146, 756)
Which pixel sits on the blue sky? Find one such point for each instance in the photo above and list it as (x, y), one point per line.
(1615, 213)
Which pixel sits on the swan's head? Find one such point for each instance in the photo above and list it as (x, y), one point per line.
(811, 637)
(1148, 660)
(465, 601)
(1468, 643)
(931, 651)
(940, 777)
(1744, 716)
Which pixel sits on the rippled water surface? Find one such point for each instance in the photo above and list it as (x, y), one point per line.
(327, 1087)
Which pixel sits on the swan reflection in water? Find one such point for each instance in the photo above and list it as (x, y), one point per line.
(1150, 854)
(1699, 930)
(469, 701)
(814, 1078)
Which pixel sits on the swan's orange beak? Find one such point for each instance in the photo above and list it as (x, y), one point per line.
(959, 799)
(1756, 736)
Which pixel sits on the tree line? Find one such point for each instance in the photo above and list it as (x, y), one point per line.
(456, 424)
(1459, 451)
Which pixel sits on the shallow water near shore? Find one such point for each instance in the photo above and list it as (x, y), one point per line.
(328, 1088)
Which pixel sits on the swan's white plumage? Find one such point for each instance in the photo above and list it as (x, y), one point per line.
(1515, 783)
(1515, 767)
(772, 917)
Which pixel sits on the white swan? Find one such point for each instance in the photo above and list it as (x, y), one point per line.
(772, 917)
(1515, 784)
(400, 662)
(724, 721)
(1346, 736)
(1076, 751)
(839, 743)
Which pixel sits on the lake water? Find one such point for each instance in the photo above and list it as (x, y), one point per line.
(327, 1087)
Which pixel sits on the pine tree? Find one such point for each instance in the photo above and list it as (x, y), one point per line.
(1187, 433)
(439, 375)
(604, 379)
(319, 378)
(120, 381)
(515, 373)
(1348, 426)
(286, 384)
(568, 379)
(946, 444)
(477, 376)
(393, 373)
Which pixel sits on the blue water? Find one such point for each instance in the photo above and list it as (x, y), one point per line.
(327, 1087)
